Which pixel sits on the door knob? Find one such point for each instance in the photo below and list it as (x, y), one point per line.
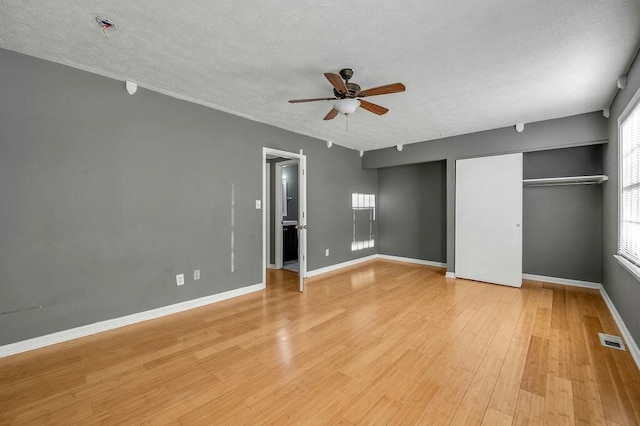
(517, 225)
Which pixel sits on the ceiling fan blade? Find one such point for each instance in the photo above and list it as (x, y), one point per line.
(331, 115)
(382, 90)
(297, 101)
(337, 82)
(376, 109)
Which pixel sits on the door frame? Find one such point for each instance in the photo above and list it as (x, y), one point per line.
(302, 209)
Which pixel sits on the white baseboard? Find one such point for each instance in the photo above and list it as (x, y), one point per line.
(565, 281)
(337, 266)
(87, 330)
(410, 260)
(628, 338)
(450, 275)
(271, 266)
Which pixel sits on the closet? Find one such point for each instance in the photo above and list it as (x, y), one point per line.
(556, 198)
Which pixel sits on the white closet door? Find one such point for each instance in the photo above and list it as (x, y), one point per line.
(488, 230)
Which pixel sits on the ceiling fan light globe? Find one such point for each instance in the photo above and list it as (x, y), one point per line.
(346, 106)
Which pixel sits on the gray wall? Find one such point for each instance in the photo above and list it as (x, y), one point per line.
(562, 225)
(577, 130)
(578, 161)
(622, 287)
(412, 211)
(107, 196)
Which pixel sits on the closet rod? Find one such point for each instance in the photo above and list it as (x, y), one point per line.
(567, 180)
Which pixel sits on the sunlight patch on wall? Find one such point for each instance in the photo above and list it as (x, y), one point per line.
(363, 207)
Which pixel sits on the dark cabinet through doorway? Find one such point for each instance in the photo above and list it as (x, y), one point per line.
(290, 243)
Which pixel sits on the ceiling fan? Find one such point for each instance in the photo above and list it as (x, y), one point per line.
(348, 96)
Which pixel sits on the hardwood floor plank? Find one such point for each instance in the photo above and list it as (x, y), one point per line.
(474, 404)
(446, 402)
(381, 413)
(534, 376)
(380, 343)
(493, 417)
(529, 409)
(558, 408)
(505, 392)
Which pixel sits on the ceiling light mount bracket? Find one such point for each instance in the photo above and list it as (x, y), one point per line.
(346, 74)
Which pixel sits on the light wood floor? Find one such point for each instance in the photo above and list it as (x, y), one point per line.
(381, 343)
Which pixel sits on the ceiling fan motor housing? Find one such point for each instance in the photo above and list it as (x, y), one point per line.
(353, 91)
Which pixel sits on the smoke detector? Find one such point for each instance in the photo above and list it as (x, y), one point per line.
(106, 24)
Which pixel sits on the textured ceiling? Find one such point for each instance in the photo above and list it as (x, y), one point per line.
(468, 65)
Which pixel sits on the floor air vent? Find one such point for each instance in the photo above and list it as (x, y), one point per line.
(610, 341)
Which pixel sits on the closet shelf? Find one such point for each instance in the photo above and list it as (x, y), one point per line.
(567, 180)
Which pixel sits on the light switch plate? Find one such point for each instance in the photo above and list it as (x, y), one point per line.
(258, 204)
(180, 279)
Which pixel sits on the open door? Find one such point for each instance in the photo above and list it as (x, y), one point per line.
(302, 219)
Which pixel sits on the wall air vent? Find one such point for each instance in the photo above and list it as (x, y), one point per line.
(610, 341)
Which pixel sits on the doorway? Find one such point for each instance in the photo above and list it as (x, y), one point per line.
(284, 213)
(289, 196)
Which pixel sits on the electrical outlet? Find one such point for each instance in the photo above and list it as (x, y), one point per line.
(326, 252)
(180, 279)
(196, 274)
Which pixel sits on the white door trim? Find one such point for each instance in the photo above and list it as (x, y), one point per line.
(266, 204)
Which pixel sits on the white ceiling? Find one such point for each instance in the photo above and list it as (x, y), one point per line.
(468, 65)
